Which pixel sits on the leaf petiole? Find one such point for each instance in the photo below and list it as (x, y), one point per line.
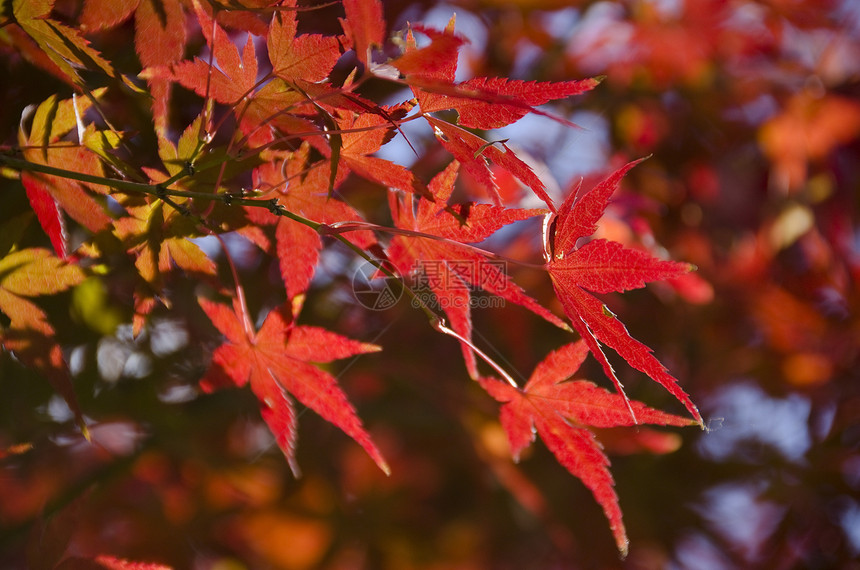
(439, 325)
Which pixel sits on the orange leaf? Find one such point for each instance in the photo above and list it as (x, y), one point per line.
(307, 57)
(364, 25)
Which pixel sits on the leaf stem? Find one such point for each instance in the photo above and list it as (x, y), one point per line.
(126, 185)
(334, 230)
(439, 325)
(250, 333)
(431, 315)
(157, 190)
(437, 322)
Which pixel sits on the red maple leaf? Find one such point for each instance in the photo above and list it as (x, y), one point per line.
(602, 266)
(364, 26)
(300, 63)
(562, 412)
(436, 61)
(159, 36)
(475, 153)
(493, 102)
(233, 79)
(481, 102)
(448, 268)
(276, 360)
(230, 78)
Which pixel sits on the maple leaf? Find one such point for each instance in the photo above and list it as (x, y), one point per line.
(602, 266)
(159, 26)
(276, 361)
(481, 102)
(299, 62)
(493, 102)
(31, 273)
(436, 61)
(474, 152)
(66, 48)
(562, 412)
(234, 77)
(450, 269)
(159, 37)
(356, 146)
(51, 195)
(159, 237)
(177, 157)
(364, 25)
(305, 57)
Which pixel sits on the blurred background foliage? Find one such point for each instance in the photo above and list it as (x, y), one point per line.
(750, 111)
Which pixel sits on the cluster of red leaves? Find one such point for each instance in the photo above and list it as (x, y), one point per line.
(300, 136)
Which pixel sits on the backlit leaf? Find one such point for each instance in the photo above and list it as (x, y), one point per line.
(297, 246)
(307, 57)
(562, 412)
(602, 266)
(33, 272)
(493, 102)
(276, 365)
(474, 152)
(364, 25)
(65, 46)
(446, 267)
